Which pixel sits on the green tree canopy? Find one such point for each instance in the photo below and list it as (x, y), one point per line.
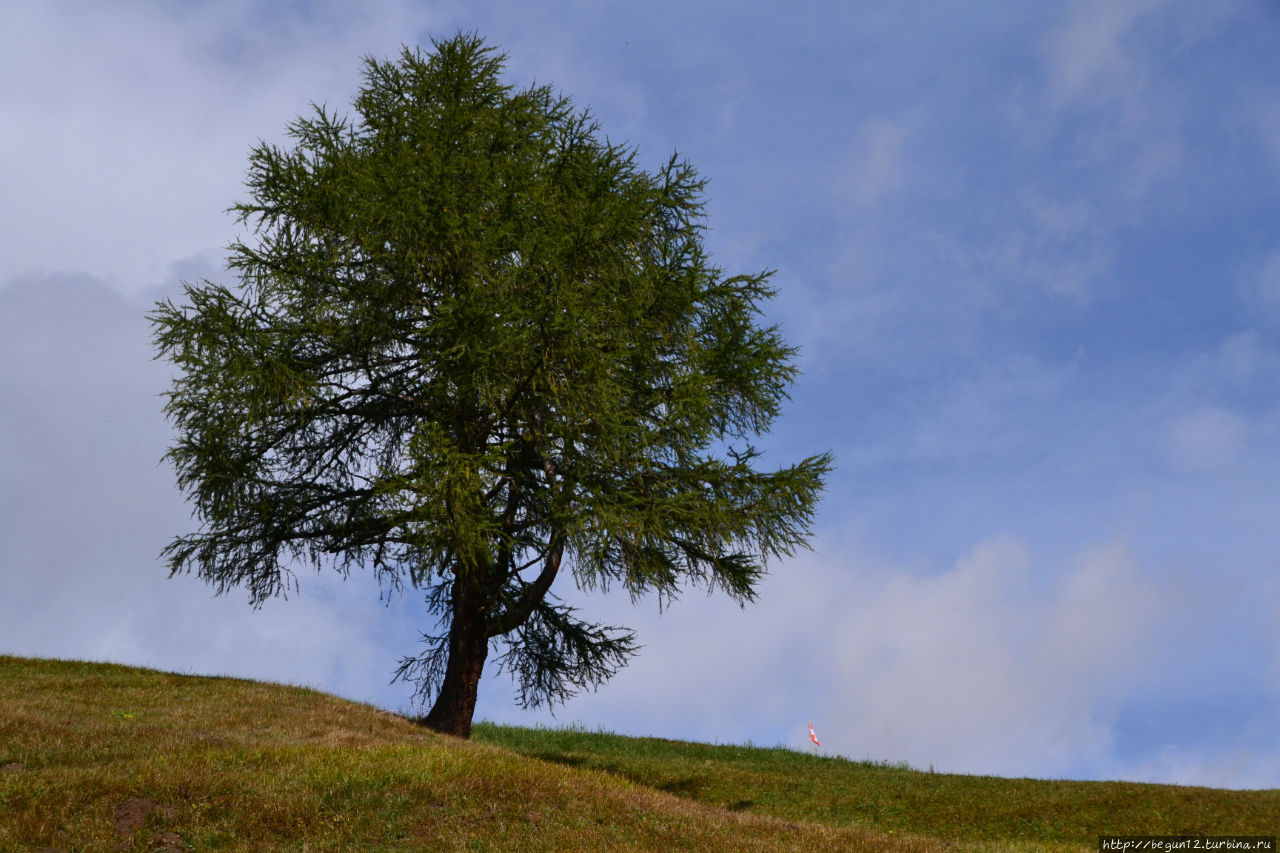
(474, 348)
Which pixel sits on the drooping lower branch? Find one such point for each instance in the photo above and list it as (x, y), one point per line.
(532, 595)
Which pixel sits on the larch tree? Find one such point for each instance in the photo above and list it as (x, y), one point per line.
(474, 348)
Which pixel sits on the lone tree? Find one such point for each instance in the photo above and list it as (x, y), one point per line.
(475, 347)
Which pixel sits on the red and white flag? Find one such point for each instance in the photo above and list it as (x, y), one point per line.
(813, 736)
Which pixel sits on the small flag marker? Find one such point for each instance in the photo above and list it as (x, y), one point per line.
(813, 736)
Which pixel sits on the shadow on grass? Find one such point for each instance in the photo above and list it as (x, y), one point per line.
(690, 786)
(561, 758)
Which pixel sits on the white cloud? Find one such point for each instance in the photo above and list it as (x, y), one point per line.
(1241, 357)
(877, 167)
(1087, 56)
(1242, 768)
(1260, 283)
(1267, 118)
(1206, 440)
(1155, 162)
(1061, 244)
(127, 126)
(1119, 121)
(1061, 219)
(1093, 57)
(1116, 129)
(972, 670)
(1097, 631)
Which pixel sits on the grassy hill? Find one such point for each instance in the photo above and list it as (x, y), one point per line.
(105, 757)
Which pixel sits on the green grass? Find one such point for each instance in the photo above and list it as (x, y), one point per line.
(801, 787)
(104, 757)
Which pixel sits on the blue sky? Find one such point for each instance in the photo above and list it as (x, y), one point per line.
(1031, 256)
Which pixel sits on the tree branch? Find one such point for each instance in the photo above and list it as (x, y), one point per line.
(512, 617)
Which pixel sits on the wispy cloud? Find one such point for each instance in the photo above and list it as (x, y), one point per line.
(1208, 439)
(878, 165)
(1260, 285)
(1089, 57)
(1267, 118)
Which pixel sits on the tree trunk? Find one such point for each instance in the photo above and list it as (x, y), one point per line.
(468, 647)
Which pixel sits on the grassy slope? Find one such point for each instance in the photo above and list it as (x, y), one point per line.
(215, 763)
(806, 788)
